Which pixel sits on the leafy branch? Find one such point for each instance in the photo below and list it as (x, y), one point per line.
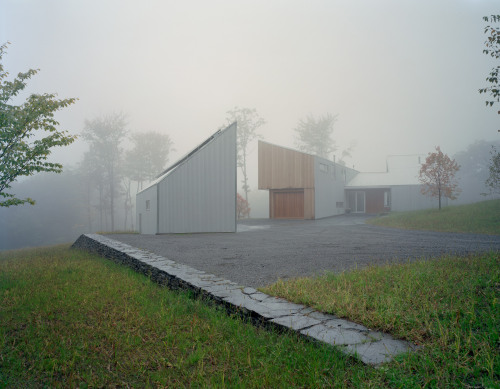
(22, 151)
(492, 49)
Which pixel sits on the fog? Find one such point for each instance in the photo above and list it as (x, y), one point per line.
(403, 77)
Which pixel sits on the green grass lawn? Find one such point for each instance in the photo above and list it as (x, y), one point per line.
(72, 319)
(450, 306)
(478, 218)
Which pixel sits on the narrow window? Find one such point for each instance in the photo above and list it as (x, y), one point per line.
(148, 205)
(387, 199)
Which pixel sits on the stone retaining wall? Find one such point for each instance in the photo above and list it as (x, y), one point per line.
(371, 347)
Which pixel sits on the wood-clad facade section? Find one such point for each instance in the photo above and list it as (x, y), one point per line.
(281, 168)
(289, 177)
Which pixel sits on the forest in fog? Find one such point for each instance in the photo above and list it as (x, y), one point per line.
(97, 195)
(174, 69)
(79, 200)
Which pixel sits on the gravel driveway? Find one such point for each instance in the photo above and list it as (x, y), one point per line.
(262, 251)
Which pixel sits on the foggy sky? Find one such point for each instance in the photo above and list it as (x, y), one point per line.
(403, 76)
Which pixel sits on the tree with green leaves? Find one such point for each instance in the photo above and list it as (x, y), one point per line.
(148, 156)
(105, 135)
(437, 175)
(248, 122)
(474, 164)
(314, 135)
(28, 132)
(91, 181)
(492, 49)
(146, 159)
(493, 180)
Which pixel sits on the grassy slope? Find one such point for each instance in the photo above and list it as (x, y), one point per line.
(68, 319)
(479, 218)
(71, 319)
(450, 306)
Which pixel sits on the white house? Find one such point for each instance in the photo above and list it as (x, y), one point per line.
(195, 194)
(301, 186)
(396, 189)
(305, 186)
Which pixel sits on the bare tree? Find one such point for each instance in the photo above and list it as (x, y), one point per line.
(314, 135)
(248, 121)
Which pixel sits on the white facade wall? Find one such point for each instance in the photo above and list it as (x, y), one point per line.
(200, 194)
(147, 219)
(329, 183)
(409, 198)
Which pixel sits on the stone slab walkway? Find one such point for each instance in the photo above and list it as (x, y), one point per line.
(371, 347)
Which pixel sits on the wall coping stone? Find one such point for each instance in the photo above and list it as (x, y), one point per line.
(371, 347)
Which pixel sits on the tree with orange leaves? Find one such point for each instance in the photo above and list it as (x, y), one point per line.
(437, 176)
(242, 208)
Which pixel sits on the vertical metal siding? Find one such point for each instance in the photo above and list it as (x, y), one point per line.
(409, 198)
(149, 218)
(200, 194)
(328, 188)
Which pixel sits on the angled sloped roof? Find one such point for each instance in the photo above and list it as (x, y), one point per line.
(384, 179)
(186, 157)
(401, 170)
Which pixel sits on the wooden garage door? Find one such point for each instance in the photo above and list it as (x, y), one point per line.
(288, 205)
(374, 200)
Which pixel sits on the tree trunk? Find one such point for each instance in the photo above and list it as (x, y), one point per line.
(101, 200)
(89, 206)
(245, 178)
(125, 206)
(128, 204)
(112, 197)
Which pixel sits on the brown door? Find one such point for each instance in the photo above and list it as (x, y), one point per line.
(374, 200)
(288, 205)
